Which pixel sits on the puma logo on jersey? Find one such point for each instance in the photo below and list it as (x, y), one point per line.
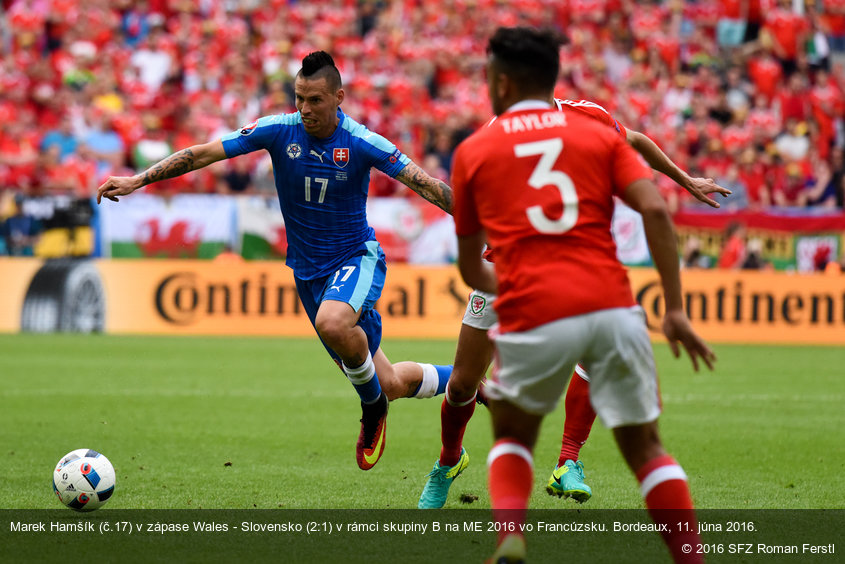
(318, 155)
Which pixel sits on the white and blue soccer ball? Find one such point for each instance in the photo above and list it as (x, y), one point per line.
(83, 480)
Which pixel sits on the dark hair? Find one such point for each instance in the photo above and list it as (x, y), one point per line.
(530, 56)
(319, 64)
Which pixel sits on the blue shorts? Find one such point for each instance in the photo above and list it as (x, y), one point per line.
(359, 283)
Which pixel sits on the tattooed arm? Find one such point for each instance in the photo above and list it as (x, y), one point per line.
(176, 164)
(435, 191)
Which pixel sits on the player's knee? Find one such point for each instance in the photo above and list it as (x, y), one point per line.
(392, 387)
(332, 329)
(462, 388)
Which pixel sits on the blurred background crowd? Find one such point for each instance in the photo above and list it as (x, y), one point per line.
(748, 92)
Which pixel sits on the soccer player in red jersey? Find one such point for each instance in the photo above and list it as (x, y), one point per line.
(538, 184)
(475, 352)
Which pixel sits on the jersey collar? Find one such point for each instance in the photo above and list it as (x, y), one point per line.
(529, 105)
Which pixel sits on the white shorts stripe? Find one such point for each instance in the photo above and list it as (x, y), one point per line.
(509, 448)
(660, 475)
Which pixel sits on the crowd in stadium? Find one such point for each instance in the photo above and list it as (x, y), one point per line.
(749, 92)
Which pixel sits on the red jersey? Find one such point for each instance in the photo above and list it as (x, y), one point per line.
(786, 27)
(833, 16)
(541, 183)
(587, 108)
(733, 9)
(766, 75)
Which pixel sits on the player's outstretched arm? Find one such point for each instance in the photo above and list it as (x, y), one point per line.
(435, 191)
(642, 196)
(177, 164)
(699, 188)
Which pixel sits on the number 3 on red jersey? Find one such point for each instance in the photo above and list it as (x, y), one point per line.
(544, 175)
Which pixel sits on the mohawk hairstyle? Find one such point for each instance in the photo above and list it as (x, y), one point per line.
(528, 55)
(319, 64)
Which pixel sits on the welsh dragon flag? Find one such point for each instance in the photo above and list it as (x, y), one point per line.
(184, 226)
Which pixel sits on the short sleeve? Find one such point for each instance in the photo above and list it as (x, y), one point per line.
(464, 210)
(627, 167)
(383, 154)
(252, 137)
(595, 111)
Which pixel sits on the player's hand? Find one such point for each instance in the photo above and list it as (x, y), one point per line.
(116, 186)
(678, 329)
(701, 187)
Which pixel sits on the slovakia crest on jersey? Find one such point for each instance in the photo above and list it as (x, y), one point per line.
(249, 128)
(341, 157)
(293, 150)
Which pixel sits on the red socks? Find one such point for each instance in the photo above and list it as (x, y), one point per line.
(453, 422)
(511, 477)
(579, 418)
(663, 484)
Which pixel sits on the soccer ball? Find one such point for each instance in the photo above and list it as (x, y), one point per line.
(83, 479)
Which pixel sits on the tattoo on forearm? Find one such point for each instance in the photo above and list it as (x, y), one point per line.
(435, 191)
(175, 165)
(445, 194)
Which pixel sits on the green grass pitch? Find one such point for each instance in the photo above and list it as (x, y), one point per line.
(271, 423)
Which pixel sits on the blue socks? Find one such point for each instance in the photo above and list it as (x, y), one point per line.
(364, 380)
(434, 380)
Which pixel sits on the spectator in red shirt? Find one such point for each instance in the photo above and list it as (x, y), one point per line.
(26, 22)
(792, 101)
(765, 73)
(826, 101)
(18, 154)
(789, 189)
(764, 122)
(733, 247)
(833, 22)
(753, 168)
(786, 31)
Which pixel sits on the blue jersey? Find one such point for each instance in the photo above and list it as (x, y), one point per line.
(322, 185)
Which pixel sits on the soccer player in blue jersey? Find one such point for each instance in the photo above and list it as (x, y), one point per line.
(321, 163)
